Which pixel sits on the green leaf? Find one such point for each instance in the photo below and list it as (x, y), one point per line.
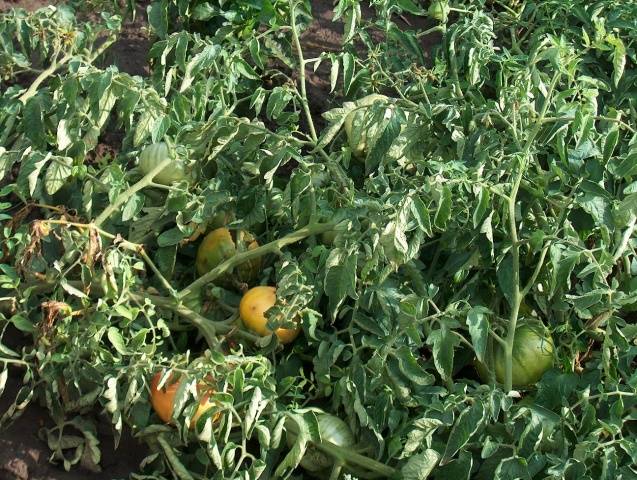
(22, 323)
(410, 7)
(348, 71)
(619, 57)
(278, 100)
(340, 278)
(56, 175)
(383, 144)
(30, 171)
(245, 70)
(158, 17)
(116, 339)
(479, 330)
(610, 142)
(204, 11)
(467, 424)
(626, 167)
(444, 208)
(421, 213)
(443, 342)
(512, 468)
(33, 121)
(255, 49)
(63, 135)
(336, 65)
(420, 466)
(505, 277)
(411, 369)
(483, 203)
(132, 207)
(170, 237)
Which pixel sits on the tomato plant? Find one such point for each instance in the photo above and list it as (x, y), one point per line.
(450, 182)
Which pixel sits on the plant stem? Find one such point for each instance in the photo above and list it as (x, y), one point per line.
(536, 272)
(299, 52)
(570, 118)
(145, 181)
(518, 295)
(46, 73)
(272, 247)
(617, 393)
(208, 328)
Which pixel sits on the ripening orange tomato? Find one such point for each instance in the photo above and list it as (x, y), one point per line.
(163, 399)
(254, 303)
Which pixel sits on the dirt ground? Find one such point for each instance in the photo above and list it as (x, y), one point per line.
(23, 456)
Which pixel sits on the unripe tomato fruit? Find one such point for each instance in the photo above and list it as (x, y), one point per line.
(333, 430)
(533, 350)
(163, 399)
(254, 303)
(219, 245)
(439, 10)
(359, 146)
(153, 155)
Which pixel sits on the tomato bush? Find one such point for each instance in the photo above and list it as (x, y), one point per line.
(466, 190)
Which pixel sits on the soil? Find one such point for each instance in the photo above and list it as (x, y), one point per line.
(23, 455)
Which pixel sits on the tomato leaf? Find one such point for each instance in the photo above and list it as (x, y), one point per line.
(478, 324)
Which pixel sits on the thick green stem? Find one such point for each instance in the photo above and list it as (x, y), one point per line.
(272, 247)
(144, 182)
(46, 73)
(299, 52)
(517, 294)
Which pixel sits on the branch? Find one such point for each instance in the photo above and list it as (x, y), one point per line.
(145, 181)
(238, 259)
(299, 52)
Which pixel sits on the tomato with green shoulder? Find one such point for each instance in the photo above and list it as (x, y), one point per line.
(222, 244)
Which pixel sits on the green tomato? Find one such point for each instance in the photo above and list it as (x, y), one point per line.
(533, 351)
(156, 153)
(333, 430)
(359, 145)
(439, 10)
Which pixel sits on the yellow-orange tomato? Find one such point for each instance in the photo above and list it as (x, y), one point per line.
(219, 245)
(252, 308)
(163, 399)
